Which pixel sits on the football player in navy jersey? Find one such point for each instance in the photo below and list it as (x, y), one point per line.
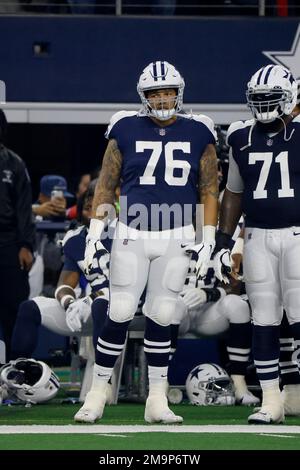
(67, 315)
(165, 163)
(264, 183)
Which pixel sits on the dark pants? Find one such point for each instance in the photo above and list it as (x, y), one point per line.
(14, 288)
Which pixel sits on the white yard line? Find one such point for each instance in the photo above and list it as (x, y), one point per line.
(278, 435)
(113, 429)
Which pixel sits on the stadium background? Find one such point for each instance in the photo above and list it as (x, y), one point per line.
(59, 108)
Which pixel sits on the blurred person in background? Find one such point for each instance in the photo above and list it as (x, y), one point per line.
(83, 185)
(51, 206)
(66, 313)
(52, 200)
(17, 235)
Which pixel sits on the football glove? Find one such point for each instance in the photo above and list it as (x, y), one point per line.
(93, 245)
(203, 251)
(222, 265)
(194, 298)
(78, 313)
(221, 257)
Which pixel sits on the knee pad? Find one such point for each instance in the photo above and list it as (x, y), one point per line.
(160, 310)
(291, 265)
(266, 310)
(292, 305)
(122, 307)
(29, 311)
(235, 309)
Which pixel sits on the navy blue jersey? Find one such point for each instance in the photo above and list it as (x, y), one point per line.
(160, 165)
(74, 248)
(270, 173)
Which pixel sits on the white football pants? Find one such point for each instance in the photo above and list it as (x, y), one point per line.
(155, 259)
(272, 274)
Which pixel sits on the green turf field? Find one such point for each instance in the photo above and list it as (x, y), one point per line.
(123, 427)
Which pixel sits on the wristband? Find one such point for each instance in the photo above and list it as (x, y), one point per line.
(96, 228)
(209, 233)
(64, 301)
(238, 247)
(64, 286)
(212, 294)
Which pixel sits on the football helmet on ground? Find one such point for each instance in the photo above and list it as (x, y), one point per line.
(209, 384)
(157, 76)
(30, 380)
(271, 93)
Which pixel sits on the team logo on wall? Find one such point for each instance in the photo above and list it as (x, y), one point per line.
(289, 59)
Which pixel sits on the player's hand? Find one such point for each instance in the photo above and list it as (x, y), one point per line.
(237, 259)
(78, 312)
(25, 259)
(204, 251)
(194, 298)
(93, 245)
(222, 265)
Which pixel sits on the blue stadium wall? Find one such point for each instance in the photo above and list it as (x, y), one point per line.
(98, 59)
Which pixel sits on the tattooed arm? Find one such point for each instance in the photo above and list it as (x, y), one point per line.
(108, 180)
(208, 188)
(208, 185)
(103, 204)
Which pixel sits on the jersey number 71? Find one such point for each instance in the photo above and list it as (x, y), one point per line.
(267, 158)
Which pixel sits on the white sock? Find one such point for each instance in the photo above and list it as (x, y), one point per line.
(271, 392)
(158, 380)
(101, 376)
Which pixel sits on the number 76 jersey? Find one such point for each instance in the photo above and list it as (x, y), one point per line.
(266, 168)
(160, 164)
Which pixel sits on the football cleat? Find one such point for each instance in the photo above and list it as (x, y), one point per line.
(92, 408)
(267, 415)
(157, 411)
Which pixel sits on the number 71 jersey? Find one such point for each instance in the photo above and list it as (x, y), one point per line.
(269, 169)
(160, 164)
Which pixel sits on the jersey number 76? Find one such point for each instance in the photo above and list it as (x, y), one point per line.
(171, 163)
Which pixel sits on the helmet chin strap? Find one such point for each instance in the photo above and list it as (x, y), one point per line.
(249, 138)
(285, 130)
(286, 139)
